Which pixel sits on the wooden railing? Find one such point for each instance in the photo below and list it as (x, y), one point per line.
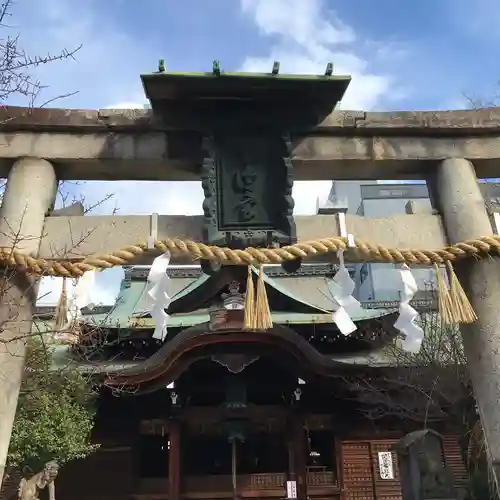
(245, 482)
(273, 483)
(323, 479)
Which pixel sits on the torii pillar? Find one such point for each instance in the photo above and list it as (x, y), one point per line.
(459, 200)
(29, 194)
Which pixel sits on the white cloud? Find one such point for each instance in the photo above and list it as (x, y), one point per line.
(308, 37)
(106, 69)
(303, 21)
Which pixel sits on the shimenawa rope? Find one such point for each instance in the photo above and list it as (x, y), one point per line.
(363, 251)
(454, 305)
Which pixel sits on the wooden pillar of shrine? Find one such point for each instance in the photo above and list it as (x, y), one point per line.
(174, 459)
(299, 455)
(291, 453)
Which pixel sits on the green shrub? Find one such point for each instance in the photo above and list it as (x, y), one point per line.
(55, 413)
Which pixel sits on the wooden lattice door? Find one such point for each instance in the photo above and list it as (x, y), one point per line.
(357, 471)
(385, 489)
(361, 472)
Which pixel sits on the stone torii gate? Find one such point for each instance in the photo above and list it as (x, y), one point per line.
(185, 136)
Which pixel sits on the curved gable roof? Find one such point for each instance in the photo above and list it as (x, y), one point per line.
(300, 297)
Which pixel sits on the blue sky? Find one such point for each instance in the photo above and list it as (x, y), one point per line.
(412, 55)
(402, 55)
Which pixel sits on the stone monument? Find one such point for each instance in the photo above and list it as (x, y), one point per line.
(423, 473)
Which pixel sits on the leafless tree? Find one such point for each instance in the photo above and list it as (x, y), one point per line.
(491, 188)
(478, 102)
(430, 386)
(18, 81)
(19, 84)
(17, 67)
(49, 334)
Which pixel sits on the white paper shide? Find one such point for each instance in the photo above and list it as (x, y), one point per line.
(79, 296)
(412, 333)
(348, 305)
(158, 296)
(385, 465)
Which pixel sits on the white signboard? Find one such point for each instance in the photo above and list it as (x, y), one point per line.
(385, 465)
(291, 490)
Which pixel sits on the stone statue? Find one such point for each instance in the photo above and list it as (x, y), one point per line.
(435, 479)
(29, 488)
(423, 472)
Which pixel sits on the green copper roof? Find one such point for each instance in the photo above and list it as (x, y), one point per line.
(307, 299)
(273, 283)
(186, 320)
(228, 75)
(163, 86)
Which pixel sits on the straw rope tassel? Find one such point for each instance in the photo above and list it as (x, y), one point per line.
(263, 318)
(249, 321)
(445, 305)
(61, 315)
(462, 308)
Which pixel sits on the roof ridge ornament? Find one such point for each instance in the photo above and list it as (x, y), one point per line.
(234, 299)
(216, 68)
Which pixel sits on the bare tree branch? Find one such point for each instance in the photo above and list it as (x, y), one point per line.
(16, 66)
(43, 381)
